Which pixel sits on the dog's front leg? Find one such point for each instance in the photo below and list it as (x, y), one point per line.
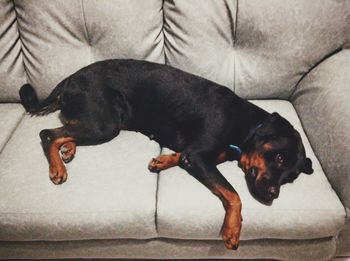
(231, 227)
(204, 170)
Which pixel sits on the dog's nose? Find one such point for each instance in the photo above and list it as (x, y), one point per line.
(273, 192)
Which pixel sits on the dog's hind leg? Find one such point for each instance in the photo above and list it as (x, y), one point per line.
(164, 162)
(72, 135)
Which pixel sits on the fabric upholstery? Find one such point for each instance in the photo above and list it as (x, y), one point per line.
(10, 116)
(279, 41)
(124, 34)
(308, 250)
(109, 192)
(322, 101)
(260, 49)
(203, 46)
(12, 74)
(250, 46)
(307, 208)
(59, 37)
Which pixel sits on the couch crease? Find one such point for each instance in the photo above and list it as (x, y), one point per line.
(13, 131)
(21, 41)
(314, 66)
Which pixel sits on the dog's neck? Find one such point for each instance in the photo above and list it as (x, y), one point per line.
(254, 117)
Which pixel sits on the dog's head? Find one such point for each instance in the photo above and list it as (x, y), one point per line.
(272, 155)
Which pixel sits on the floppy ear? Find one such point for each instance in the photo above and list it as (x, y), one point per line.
(306, 166)
(275, 124)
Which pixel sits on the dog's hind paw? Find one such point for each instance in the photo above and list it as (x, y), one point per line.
(68, 151)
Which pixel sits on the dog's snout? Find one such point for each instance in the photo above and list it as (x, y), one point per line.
(273, 192)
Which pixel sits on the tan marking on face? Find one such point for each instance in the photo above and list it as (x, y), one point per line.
(256, 160)
(244, 162)
(267, 146)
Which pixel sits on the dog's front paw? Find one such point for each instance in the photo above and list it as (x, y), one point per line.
(58, 175)
(155, 165)
(231, 232)
(231, 238)
(163, 162)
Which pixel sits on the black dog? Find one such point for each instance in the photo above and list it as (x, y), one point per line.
(195, 117)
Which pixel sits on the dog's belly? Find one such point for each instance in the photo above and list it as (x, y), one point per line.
(164, 134)
(171, 139)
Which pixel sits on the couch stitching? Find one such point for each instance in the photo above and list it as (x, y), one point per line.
(252, 210)
(156, 207)
(234, 47)
(164, 36)
(86, 31)
(21, 42)
(233, 35)
(327, 56)
(158, 177)
(157, 191)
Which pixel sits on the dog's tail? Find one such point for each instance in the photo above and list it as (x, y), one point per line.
(31, 102)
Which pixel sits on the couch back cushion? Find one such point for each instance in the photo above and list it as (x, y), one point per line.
(59, 37)
(12, 74)
(260, 49)
(278, 42)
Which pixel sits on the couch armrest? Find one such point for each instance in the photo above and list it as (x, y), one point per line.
(322, 100)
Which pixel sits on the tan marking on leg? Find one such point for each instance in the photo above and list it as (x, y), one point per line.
(221, 158)
(232, 224)
(58, 173)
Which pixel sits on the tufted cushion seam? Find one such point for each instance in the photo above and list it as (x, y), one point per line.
(233, 26)
(164, 53)
(86, 31)
(20, 40)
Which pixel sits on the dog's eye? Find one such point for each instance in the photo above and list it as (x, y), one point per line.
(279, 159)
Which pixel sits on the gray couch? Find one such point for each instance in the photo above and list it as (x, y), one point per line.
(289, 56)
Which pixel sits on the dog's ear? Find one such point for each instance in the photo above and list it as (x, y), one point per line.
(275, 124)
(306, 166)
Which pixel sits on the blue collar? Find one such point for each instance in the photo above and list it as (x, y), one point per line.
(257, 127)
(236, 149)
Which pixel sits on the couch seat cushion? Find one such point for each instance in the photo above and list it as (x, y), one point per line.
(305, 209)
(109, 194)
(10, 115)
